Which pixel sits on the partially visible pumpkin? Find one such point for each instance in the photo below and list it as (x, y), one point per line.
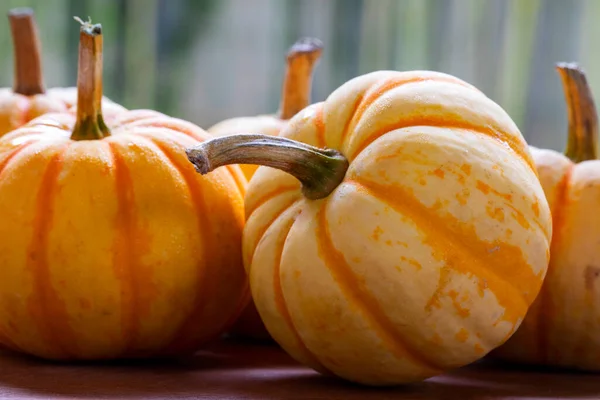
(29, 98)
(563, 326)
(301, 59)
(111, 246)
(400, 231)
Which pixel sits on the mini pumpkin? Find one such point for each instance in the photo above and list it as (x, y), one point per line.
(562, 328)
(111, 246)
(301, 61)
(395, 230)
(29, 98)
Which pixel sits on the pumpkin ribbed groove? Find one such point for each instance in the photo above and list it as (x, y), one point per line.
(125, 260)
(508, 287)
(357, 294)
(379, 90)
(181, 338)
(4, 163)
(502, 138)
(544, 306)
(268, 197)
(47, 308)
(282, 306)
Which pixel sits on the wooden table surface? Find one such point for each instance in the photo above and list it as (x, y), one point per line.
(235, 370)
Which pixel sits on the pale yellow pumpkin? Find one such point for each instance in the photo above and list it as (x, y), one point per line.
(563, 325)
(396, 230)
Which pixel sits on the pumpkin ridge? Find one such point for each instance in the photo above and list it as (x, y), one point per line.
(238, 179)
(268, 197)
(45, 305)
(260, 234)
(510, 291)
(544, 298)
(379, 89)
(281, 305)
(4, 163)
(124, 254)
(365, 303)
(320, 127)
(183, 336)
(448, 123)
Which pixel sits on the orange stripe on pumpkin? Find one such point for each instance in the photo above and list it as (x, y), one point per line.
(379, 89)
(499, 266)
(545, 304)
(357, 293)
(47, 309)
(282, 306)
(189, 334)
(514, 144)
(125, 259)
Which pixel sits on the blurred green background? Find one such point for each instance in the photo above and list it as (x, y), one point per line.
(206, 60)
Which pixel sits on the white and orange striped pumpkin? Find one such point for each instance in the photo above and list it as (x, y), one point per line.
(563, 326)
(395, 230)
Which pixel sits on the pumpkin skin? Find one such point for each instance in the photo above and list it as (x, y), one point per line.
(561, 329)
(16, 108)
(110, 245)
(429, 252)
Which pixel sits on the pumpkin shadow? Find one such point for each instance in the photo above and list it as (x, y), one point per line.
(233, 370)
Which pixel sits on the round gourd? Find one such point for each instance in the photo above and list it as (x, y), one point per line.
(110, 244)
(563, 326)
(29, 98)
(395, 231)
(301, 61)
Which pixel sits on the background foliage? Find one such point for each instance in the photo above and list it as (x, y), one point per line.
(206, 60)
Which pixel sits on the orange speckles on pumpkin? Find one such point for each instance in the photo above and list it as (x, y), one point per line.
(463, 196)
(377, 233)
(439, 173)
(462, 335)
(412, 262)
(402, 244)
(398, 268)
(479, 349)
(536, 208)
(487, 189)
(509, 233)
(443, 281)
(388, 242)
(356, 259)
(496, 213)
(460, 310)
(422, 182)
(466, 168)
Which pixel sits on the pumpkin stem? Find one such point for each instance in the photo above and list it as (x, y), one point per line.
(319, 170)
(90, 123)
(27, 60)
(301, 61)
(582, 144)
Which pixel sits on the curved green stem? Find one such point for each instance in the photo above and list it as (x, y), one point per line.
(319, 170)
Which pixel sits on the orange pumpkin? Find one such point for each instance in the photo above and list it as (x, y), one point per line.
(563, 326)
(110, 245)
(301, 60)
(28, 98)
(395, 230)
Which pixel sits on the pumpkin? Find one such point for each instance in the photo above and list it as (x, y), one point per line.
(561, 329)
(395, 230)
(111, 246)
(302, 57)
(29, 98)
